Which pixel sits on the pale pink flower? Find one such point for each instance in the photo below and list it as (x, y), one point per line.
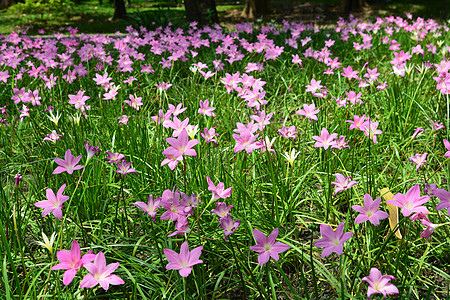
(100, 273)
(71, 261)
(53, 203)
(325, 139)
(68, 164)
(379, 284)
(267, 247)
(183, 261)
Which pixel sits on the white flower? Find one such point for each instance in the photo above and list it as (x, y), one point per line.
(291, 157)
(47, 244)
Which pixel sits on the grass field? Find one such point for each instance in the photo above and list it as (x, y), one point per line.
(275, 161)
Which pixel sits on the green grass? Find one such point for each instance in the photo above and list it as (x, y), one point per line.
(268, 192)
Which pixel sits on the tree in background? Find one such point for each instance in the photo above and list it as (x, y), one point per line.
(119, 9)
(255, 8)
(202, 11)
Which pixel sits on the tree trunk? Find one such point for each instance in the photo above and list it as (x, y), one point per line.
(119, 10)
(202, 11)
(7, 3)
(349, 6)
(255, 8)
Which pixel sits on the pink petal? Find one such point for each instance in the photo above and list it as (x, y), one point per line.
(88, 281)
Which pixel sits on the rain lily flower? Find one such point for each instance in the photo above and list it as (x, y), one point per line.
(68, 164)
(430, 228)
(418, 159)
(370, 211)
(183, 261)
(176, 110)
(181, 146)
(357, 122)
(209, 135)
(124, 167)
(288, 132)
(331, 240)
(114, 157)
(411, 202)
(267, 247)
(370, 130)
(290, 157)
(379, 284)
(17, 179)
(150, 207)
(123, 119)
(91, 151)
(447, 146)
(134, 102)
(218, 192)
(53, 203)
(245, 141)
(315, 85)
(342, 183)
(71, 261)
(100, 273)
(52, 137)
(79, 100)
(221, 210)
(435, 125)
(417, 132)
(48, 244)
(205, 109)
(444, 196)
(340, 143)
(309, 111)
(228, 226)
(325, 139)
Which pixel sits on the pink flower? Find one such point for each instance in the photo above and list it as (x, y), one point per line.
(325, 139)
(134, 102)
(181, 145)
(370, 130)
(53, 203)
(183, 261)
(444, 196)
(288, 132)
(349, 73)
(221, 210)
(370, 211)
(228, 226)
(340, 143)
(209, 135)
(314, 86)
(124, 167)
(68, 164)
(411, 202)
(342, 183)
(357, 122)
(245, 141)
(52, 137)
(71, 261)
(379, 284)
(447, 146)
(309, 111)
(418, 159)
(430, 228)
(114, 157)
(267, 247)
(79, 100)
(205, 109)
(150, 207)
(331, 240)
(100, 273)
(123, 119)
(417, 132)
(218, 192)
